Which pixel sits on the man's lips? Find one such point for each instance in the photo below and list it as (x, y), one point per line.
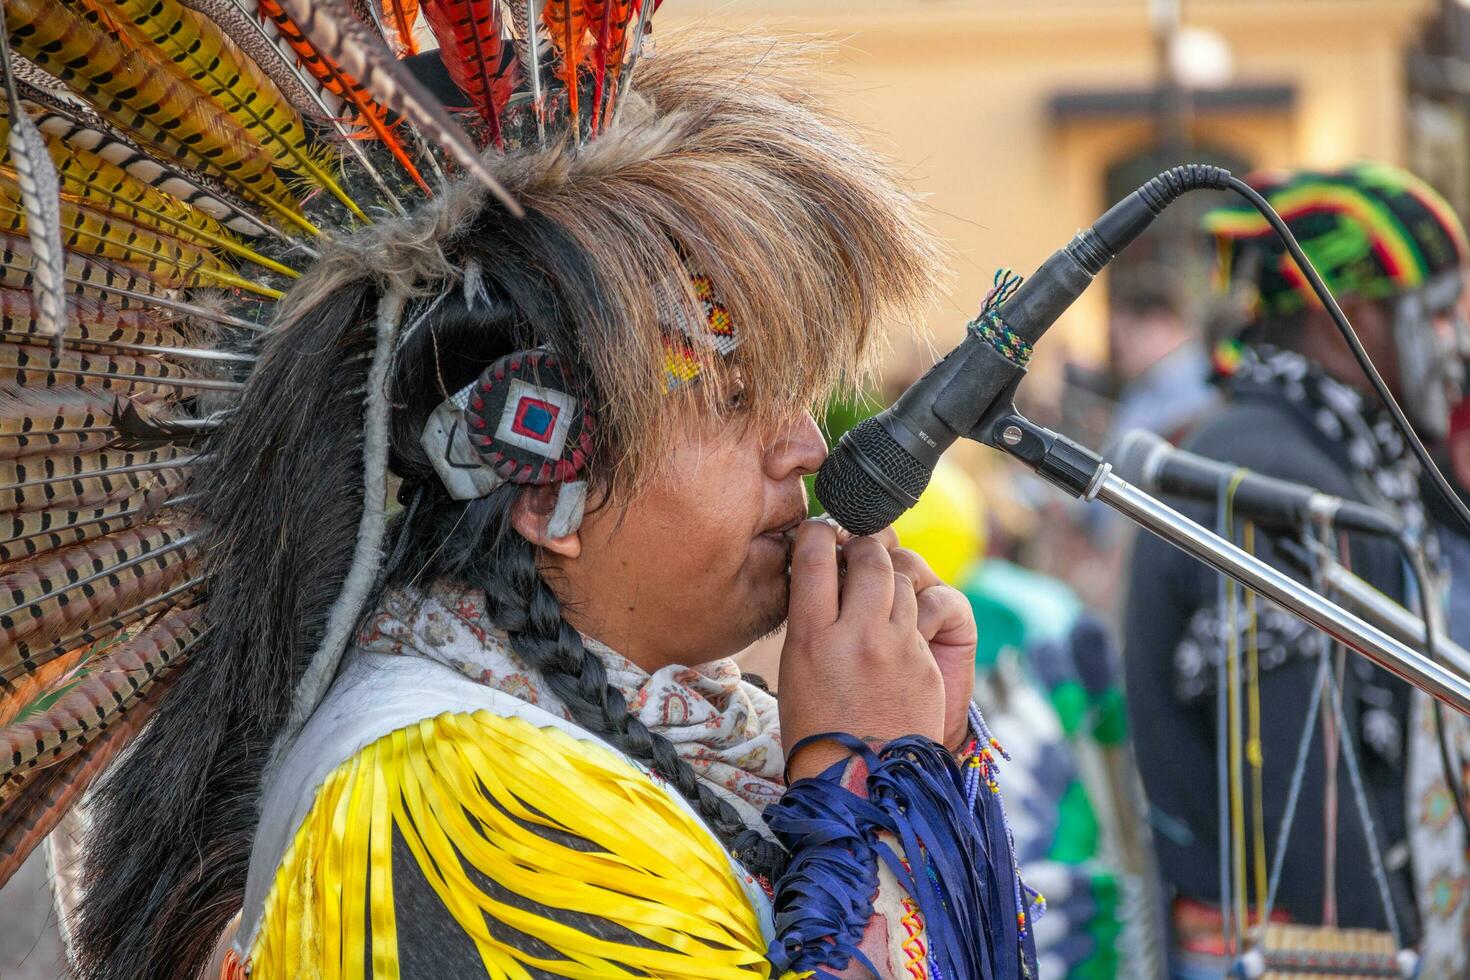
(783, 533)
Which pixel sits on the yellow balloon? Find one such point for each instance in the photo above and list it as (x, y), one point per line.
(947, 526)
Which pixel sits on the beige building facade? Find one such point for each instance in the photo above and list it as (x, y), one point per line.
(1009, 115)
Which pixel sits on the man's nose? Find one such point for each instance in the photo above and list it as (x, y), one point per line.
(797, 450)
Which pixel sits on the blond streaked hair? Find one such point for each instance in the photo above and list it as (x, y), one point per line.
(721, 161)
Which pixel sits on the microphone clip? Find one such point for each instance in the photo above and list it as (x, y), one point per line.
(1055, 458)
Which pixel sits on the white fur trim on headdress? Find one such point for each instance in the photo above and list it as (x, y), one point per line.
(367, 553)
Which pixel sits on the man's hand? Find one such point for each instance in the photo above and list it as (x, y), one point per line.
(855, 659)
(947, 623)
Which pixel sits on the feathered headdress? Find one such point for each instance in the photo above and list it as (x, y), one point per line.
(229, 224)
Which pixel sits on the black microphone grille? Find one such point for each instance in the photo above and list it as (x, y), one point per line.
(848, 487)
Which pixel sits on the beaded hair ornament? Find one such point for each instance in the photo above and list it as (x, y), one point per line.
(524, 419)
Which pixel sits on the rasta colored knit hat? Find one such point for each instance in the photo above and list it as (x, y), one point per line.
(1372, 230)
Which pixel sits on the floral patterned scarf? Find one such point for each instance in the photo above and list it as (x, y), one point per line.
(726, 729)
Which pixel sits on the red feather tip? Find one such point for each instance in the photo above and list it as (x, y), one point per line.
(398, 18)
(613, 21)
(324, 70)
(478, 58)
(566, 23)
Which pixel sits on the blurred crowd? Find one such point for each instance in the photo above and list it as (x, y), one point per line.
(1103, 655)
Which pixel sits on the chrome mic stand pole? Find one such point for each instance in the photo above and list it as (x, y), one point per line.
(1084, 474)
(1383, 612)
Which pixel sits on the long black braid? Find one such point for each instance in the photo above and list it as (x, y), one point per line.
(519, 600)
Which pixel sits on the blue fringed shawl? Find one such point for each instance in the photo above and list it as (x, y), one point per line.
(954, 859)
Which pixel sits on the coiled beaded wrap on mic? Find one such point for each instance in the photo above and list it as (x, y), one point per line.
(873, 476)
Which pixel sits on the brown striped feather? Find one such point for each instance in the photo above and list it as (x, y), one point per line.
(37, 684)
(88, 320)
(30, 808)
(24, 535)
(85, 274)
(63, 592)
(110, 682)
(83, 492)
(103, 630)
(48, 470)
(31, 365)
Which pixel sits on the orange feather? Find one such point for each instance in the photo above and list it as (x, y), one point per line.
(342, 85)
(566, 22)
(398, 18)
(469, 33)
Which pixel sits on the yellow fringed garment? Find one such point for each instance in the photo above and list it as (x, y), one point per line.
(468, 789)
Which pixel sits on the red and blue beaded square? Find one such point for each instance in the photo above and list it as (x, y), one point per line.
(537, 418)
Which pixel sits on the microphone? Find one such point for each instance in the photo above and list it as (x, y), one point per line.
(879, 469)
(1150, 463)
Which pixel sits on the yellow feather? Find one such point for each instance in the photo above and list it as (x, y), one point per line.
(142, 96)
(172, 261)
(202, 53)
(104, 186)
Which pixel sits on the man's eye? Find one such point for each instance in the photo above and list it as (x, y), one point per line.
(736, 401)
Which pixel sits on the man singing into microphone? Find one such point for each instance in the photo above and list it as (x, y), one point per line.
(537, 758)
(1298, 407)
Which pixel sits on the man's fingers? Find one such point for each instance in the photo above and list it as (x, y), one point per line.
(915, 567)
(944, 614)
(868, 586)
(887, 537)
(905, 613)
(814, 579)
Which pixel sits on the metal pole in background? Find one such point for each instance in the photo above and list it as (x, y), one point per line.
(1388, 653)
(1172, 117)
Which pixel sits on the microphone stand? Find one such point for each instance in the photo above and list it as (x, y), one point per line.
(1371, 604)
(1084, 474)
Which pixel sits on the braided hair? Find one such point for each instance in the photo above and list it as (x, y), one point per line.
(472, 542)
(724, 164)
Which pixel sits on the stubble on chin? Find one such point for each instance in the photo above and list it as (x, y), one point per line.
(766, 618)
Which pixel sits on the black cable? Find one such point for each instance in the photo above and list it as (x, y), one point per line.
(1385, 396)
(1414, 558)
(1401, 422)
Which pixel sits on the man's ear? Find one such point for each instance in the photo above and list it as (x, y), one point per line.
(531, 514)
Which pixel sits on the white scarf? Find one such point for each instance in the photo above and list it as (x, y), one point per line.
(726, 729)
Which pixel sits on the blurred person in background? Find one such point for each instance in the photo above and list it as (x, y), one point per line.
(1157, 377)
(1158, 358)
(1297, 407)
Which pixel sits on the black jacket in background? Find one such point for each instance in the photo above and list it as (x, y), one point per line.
(1175, 738)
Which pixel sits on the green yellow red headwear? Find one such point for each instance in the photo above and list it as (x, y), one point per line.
(1372, 230)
